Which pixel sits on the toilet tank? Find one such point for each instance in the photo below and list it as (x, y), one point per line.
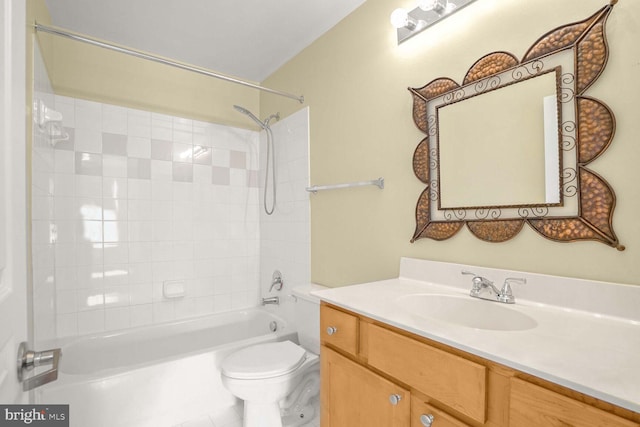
(307, 316)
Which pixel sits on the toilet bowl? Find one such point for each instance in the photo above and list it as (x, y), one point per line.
(265, 374)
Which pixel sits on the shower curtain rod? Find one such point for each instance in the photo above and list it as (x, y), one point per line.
(138, 54)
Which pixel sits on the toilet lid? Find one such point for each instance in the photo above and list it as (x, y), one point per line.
(264, 360)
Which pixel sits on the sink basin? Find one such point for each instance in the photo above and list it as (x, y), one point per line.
(466, 311)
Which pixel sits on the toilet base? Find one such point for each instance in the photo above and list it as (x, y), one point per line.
(261, 415)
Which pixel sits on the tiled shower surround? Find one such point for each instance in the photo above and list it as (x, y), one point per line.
(140, 199)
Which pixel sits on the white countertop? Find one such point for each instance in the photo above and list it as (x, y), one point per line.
(595, 354)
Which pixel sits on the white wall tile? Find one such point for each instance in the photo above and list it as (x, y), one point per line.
(114, 188)
(140, 273)
(88, 115)
(116, 296)
(161, 210)
(90, 300)
(66, 278)
(163, 311)
(116, 275)
(140, 252)
(66, 301)
(114, 166)
(139, 123)
(114, 119)
(117, 318)
(140, 231)
(67, 325)
(64, 161)
(88, 254)
(89, 231)
(64, 185)
(161, 171)
(88, 140)
(140, 210)
(91, 322)
(116, 253)
(139, 189)
(115, 231)
(141, 315)
(88, 186)
(141, 293)
(90, 276)
(66, 106)
(139, 147)
(115, 209)
(87, 208)
(161, 190)
(119, 237)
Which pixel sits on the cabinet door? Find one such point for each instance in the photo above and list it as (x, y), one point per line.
(353, 396)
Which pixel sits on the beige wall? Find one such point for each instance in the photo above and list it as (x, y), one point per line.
(85, 71)
(355, 78)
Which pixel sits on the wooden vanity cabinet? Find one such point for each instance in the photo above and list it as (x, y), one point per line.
(373, 374)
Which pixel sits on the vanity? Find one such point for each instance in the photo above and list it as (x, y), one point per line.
(414, 352)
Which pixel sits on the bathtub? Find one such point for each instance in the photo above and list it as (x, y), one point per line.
(161, 375)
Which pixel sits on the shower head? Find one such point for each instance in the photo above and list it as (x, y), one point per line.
(251, 115)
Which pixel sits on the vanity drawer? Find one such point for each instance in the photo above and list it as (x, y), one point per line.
(533, 406)
(339, 329)
(452, 380)
(440, 419)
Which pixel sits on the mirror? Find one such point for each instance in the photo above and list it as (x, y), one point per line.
(511, 144)
(472, 166)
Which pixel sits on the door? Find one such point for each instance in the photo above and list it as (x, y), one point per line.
(13, 195)
(354, 396)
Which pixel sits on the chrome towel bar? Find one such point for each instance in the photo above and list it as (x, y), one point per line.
(377, 182)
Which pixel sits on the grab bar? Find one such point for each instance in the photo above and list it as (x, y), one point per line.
(377, 182)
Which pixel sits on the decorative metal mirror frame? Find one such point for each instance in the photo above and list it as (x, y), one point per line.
(582, 138)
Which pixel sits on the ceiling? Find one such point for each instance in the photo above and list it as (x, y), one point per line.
(249, 39)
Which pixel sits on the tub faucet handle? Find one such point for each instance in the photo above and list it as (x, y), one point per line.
(276, 281)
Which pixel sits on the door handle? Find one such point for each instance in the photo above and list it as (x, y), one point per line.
(29, 360)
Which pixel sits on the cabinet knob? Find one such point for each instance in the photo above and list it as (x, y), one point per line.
(395, 399)
(331, 330)
(426, 420)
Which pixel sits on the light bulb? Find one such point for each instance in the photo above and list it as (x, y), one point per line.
(438, 6)
(400, 19)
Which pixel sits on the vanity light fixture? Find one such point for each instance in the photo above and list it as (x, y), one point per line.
(427, 13)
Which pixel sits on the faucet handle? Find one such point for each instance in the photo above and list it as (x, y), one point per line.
(469, 273)
(506, 294)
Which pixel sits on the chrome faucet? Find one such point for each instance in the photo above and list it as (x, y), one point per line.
(485, 289)
(271, 300)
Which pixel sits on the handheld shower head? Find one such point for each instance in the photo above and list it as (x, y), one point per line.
(251, 115)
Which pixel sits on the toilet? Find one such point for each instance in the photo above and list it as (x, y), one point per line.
(277, 380)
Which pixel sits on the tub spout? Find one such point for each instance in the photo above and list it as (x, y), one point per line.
(271, 300)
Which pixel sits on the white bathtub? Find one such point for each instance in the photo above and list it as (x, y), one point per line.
(156, 376)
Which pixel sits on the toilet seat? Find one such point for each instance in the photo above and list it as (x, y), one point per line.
(264, 361)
